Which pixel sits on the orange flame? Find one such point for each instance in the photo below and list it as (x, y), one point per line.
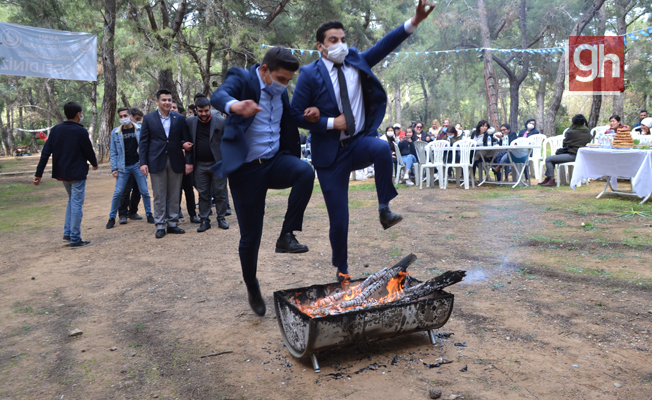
(324, 306)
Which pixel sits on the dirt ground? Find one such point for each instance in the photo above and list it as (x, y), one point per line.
(557, 303)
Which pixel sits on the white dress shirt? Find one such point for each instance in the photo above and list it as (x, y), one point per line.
(165, 121)
(354, 88)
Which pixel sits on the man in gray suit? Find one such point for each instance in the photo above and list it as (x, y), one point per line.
(162, 135)
(205, 131)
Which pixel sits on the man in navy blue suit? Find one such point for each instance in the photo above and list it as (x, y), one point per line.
(344, 139)
(260, 150)
(162, 136)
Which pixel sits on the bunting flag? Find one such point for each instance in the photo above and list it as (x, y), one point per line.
(551, 50)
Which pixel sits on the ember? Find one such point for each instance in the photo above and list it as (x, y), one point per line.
(385, 286)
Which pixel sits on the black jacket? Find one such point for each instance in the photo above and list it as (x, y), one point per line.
(155, 148)
(407, 148)
(576, 137)
(71, 150)
(216, 130)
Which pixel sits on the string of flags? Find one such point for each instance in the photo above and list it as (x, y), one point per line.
(647, 32)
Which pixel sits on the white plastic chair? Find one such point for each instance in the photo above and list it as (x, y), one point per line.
(523, 142)
(552, 143)
(535, 158)
(420, 147)
(434, 159)
(466, 163)
(596, 131)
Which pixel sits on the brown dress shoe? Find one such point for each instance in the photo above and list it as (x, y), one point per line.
(544, 181)
(550, 183)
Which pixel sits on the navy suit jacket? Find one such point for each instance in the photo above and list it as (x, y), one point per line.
(155, 148)
(241, 84)
(315, 89)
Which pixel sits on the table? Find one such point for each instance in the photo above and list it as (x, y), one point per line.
(593, 163)
(519, 171)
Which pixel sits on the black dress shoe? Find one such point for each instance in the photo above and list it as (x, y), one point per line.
(221, 223)
(109, 224)
(66, 239)
(123, 219)
(150, 219)
(175, 229)
(160, 233)
(388, 218)
(135, 216)
(288, 243)
(205, 225)
(256, 300)
(194, 219)
(228, 211)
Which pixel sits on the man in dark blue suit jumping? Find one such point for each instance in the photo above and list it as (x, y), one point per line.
(344, 138)
(260, 150)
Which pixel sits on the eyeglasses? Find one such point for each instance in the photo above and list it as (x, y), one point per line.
(418, 127)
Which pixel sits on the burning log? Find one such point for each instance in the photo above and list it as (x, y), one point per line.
(358, 295)
(433, 285)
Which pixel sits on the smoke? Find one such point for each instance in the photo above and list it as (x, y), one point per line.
(475, 276)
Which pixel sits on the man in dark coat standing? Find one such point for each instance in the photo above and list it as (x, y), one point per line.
(162, 135)
(71, 151)
(206, 128)
(260, 151)
(351, 103)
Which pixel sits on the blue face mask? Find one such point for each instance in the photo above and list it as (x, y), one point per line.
(276, 88)
(445, 128)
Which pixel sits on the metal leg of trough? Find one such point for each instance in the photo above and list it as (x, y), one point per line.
(433, 336)
(315, 364)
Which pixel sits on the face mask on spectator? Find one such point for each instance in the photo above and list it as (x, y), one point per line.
(530, 127)
(337, 52)
(125, 121)
(445, 128)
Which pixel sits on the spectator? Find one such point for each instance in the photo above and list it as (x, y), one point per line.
(442, 132)
(483, 136)
(460, 129)
(131, 195)
(530, 128)
(577, 136)
(71, 149)
(453, 136)
(192, 110)
(434, 129)
(408, 154)
(614, 125)
(642, 115)
(390, 138)
(517, 156)
(398, 132)
(646, 124)
(124, 165)
(420, 136)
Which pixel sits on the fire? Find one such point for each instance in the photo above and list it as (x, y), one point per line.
(332, 304)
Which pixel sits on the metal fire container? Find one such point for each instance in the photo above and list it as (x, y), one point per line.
(305, 336)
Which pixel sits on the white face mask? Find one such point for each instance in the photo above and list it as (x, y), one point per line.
(125, 121)
(337, 52)
(81, 118)
(390, 134)
(530, 127)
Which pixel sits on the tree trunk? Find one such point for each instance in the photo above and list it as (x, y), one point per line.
(555, 101)
(52, 101)
(125, 100)
(93, 126)
(110, 87)
(491, 82)
(596, 104)
(6, 150)
(621, 28)
(425, 99)
(541, 98)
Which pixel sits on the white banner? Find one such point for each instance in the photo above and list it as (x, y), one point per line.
(46, 53)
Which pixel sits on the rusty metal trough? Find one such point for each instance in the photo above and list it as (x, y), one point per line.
(305, 336)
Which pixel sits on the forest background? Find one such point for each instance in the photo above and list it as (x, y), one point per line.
(189, 45)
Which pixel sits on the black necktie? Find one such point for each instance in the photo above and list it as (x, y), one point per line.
(346, 103)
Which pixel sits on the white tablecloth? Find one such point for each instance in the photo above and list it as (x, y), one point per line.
(595, 163)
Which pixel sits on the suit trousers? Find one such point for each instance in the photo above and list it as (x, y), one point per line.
(249, 186)
(188, 187)
(334, 182)
(209, 184)
(166, 187)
